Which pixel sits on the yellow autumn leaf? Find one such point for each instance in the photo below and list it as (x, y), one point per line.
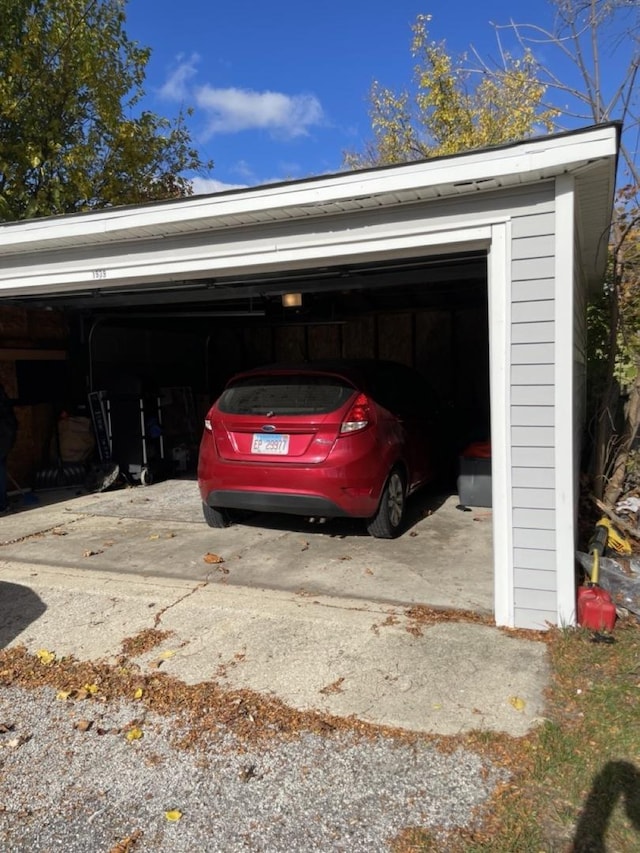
(45, 656)
(173, 815)
(91, 688)
(166, 655)
(62, 695)
(134, 734)
(517, 702)
(138, 693)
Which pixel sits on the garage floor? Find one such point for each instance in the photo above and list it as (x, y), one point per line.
(444, 559)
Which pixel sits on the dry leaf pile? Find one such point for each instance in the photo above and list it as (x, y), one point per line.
(204, 709)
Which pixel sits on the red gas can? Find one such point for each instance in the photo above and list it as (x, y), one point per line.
(596, 610)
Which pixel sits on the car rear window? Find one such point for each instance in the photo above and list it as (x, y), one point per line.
(285, 395)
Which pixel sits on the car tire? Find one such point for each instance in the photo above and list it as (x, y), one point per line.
(216, 516)
(387, 522)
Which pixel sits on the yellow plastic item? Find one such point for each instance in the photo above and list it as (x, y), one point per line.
(595, 569)
(617, 541)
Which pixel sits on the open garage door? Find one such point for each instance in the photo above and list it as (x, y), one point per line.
(428, 313)
(181, 347)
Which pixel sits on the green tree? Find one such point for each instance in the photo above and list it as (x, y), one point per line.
(71, 135)
(449, 109)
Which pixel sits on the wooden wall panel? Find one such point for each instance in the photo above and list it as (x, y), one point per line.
(358, 338)
(225, 357)
(395, 337)
(323, 341)
(47, 325)
(258, 346)
(434, 350)
(13, 324)
(290, 343)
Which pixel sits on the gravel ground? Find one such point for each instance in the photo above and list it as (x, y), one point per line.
(62, 788)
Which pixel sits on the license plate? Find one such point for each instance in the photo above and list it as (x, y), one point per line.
(277, 445)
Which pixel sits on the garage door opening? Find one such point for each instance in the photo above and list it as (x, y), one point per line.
(430, 316)
(184, 343)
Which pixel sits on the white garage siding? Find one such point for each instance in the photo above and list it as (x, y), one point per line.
(533, 455)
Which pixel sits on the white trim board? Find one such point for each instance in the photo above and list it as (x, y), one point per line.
(499, 297)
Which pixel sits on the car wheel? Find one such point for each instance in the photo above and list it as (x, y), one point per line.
(387, 522)
(216, 516)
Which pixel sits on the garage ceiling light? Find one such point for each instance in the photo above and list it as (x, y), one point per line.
(292, 300)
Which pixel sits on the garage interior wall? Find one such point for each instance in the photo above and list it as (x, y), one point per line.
(448, 346)
(34, 367)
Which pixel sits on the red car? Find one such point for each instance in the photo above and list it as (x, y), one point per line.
(320, 439)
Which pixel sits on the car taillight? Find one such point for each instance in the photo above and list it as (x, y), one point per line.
(207, 424)
(358, 416)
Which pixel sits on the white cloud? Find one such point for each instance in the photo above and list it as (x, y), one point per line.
(204, 186)
(233, 110)
(242, 168)
(176, 86)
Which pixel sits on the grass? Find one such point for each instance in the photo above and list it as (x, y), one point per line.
(576, 778)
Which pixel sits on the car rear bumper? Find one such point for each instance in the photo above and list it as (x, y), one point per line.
(292, 504)
(350, 487)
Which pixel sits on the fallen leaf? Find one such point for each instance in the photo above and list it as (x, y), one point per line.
(90, 553)
(134, 734)
(83, 725)
(368, 571)
(63, 695)
(305, 546)
(167, 654)
(346, 557)
(334, 687)
(7, 727)
(91, 689)
(45, 656)
(213, 558)
(517, 702)
(126, 845)
(138, 693)
(173, 815)
(58, 532)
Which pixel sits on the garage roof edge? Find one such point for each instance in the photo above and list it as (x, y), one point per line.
(527, 161)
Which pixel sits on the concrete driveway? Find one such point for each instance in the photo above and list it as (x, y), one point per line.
(444, 559)
(322, 617)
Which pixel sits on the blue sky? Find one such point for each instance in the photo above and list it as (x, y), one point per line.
(279, 89)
